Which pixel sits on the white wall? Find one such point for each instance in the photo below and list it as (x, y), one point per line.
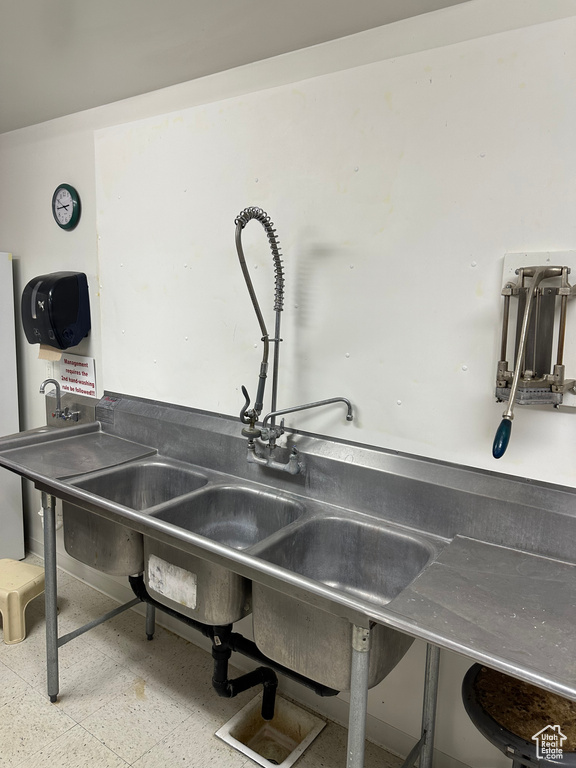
(464, 152)
(396, 189)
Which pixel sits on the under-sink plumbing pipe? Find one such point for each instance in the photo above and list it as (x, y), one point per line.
(226, 688)
(224, 638)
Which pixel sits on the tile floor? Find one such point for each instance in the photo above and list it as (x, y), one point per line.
(123, 700)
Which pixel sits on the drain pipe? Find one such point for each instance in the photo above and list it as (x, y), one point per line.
(221, 652)
(224, 641)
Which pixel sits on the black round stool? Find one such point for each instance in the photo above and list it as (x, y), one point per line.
(497, 703)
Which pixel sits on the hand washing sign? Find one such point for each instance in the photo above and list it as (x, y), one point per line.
(77, 375)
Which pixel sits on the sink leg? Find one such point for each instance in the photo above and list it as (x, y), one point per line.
(358, 696)
(429, 704)
(150, 620)
(51, 594)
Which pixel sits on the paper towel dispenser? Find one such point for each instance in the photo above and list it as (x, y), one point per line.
(56, 309)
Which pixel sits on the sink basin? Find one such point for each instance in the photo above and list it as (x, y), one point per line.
(233, 515)
(111, 547)
(142, 484)
(364, 559)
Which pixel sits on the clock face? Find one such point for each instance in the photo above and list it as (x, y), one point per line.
(66, 206)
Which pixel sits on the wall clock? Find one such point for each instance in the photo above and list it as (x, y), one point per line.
(66, 206)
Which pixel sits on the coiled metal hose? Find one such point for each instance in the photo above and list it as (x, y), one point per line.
(241, 221)
(257, 213)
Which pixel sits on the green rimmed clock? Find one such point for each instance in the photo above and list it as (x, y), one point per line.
(66, 206)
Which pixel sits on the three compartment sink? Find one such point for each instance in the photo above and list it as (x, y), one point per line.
(111, 547)
(236, 516)
(359, 557)
(364, 559)
(469, 514)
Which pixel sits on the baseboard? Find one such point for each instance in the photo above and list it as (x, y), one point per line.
(334, 708)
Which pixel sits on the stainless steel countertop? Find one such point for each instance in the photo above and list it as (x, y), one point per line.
(76, 454)
(501, 590)
(501, 604)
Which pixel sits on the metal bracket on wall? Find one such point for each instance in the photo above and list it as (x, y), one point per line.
(540, 280)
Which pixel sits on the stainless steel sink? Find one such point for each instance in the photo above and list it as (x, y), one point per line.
(236, 516)
(363, 559)
(111, 547)
(143, 484)
(233, 515)
(346, 481)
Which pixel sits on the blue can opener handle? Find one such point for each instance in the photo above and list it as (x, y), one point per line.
(502, 438)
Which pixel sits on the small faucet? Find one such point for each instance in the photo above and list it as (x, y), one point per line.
(271, 433)
(65, 414)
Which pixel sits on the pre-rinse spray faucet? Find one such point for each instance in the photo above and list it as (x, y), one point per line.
(249, 416)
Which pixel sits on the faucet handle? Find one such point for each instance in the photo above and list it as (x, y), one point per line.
(246, 418)
(249, 417)
(502, 438)
(273, 432)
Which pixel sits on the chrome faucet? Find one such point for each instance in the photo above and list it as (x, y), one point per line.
(65, 414)
(249, 416)
(272, 433)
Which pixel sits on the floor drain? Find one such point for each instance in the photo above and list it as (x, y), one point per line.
(279, 741)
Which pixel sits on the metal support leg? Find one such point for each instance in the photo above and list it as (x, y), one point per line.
(51, 594)
(429, 705)
(358, 696)
(150, 620)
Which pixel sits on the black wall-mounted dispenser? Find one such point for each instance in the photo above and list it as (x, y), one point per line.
(56, 309)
